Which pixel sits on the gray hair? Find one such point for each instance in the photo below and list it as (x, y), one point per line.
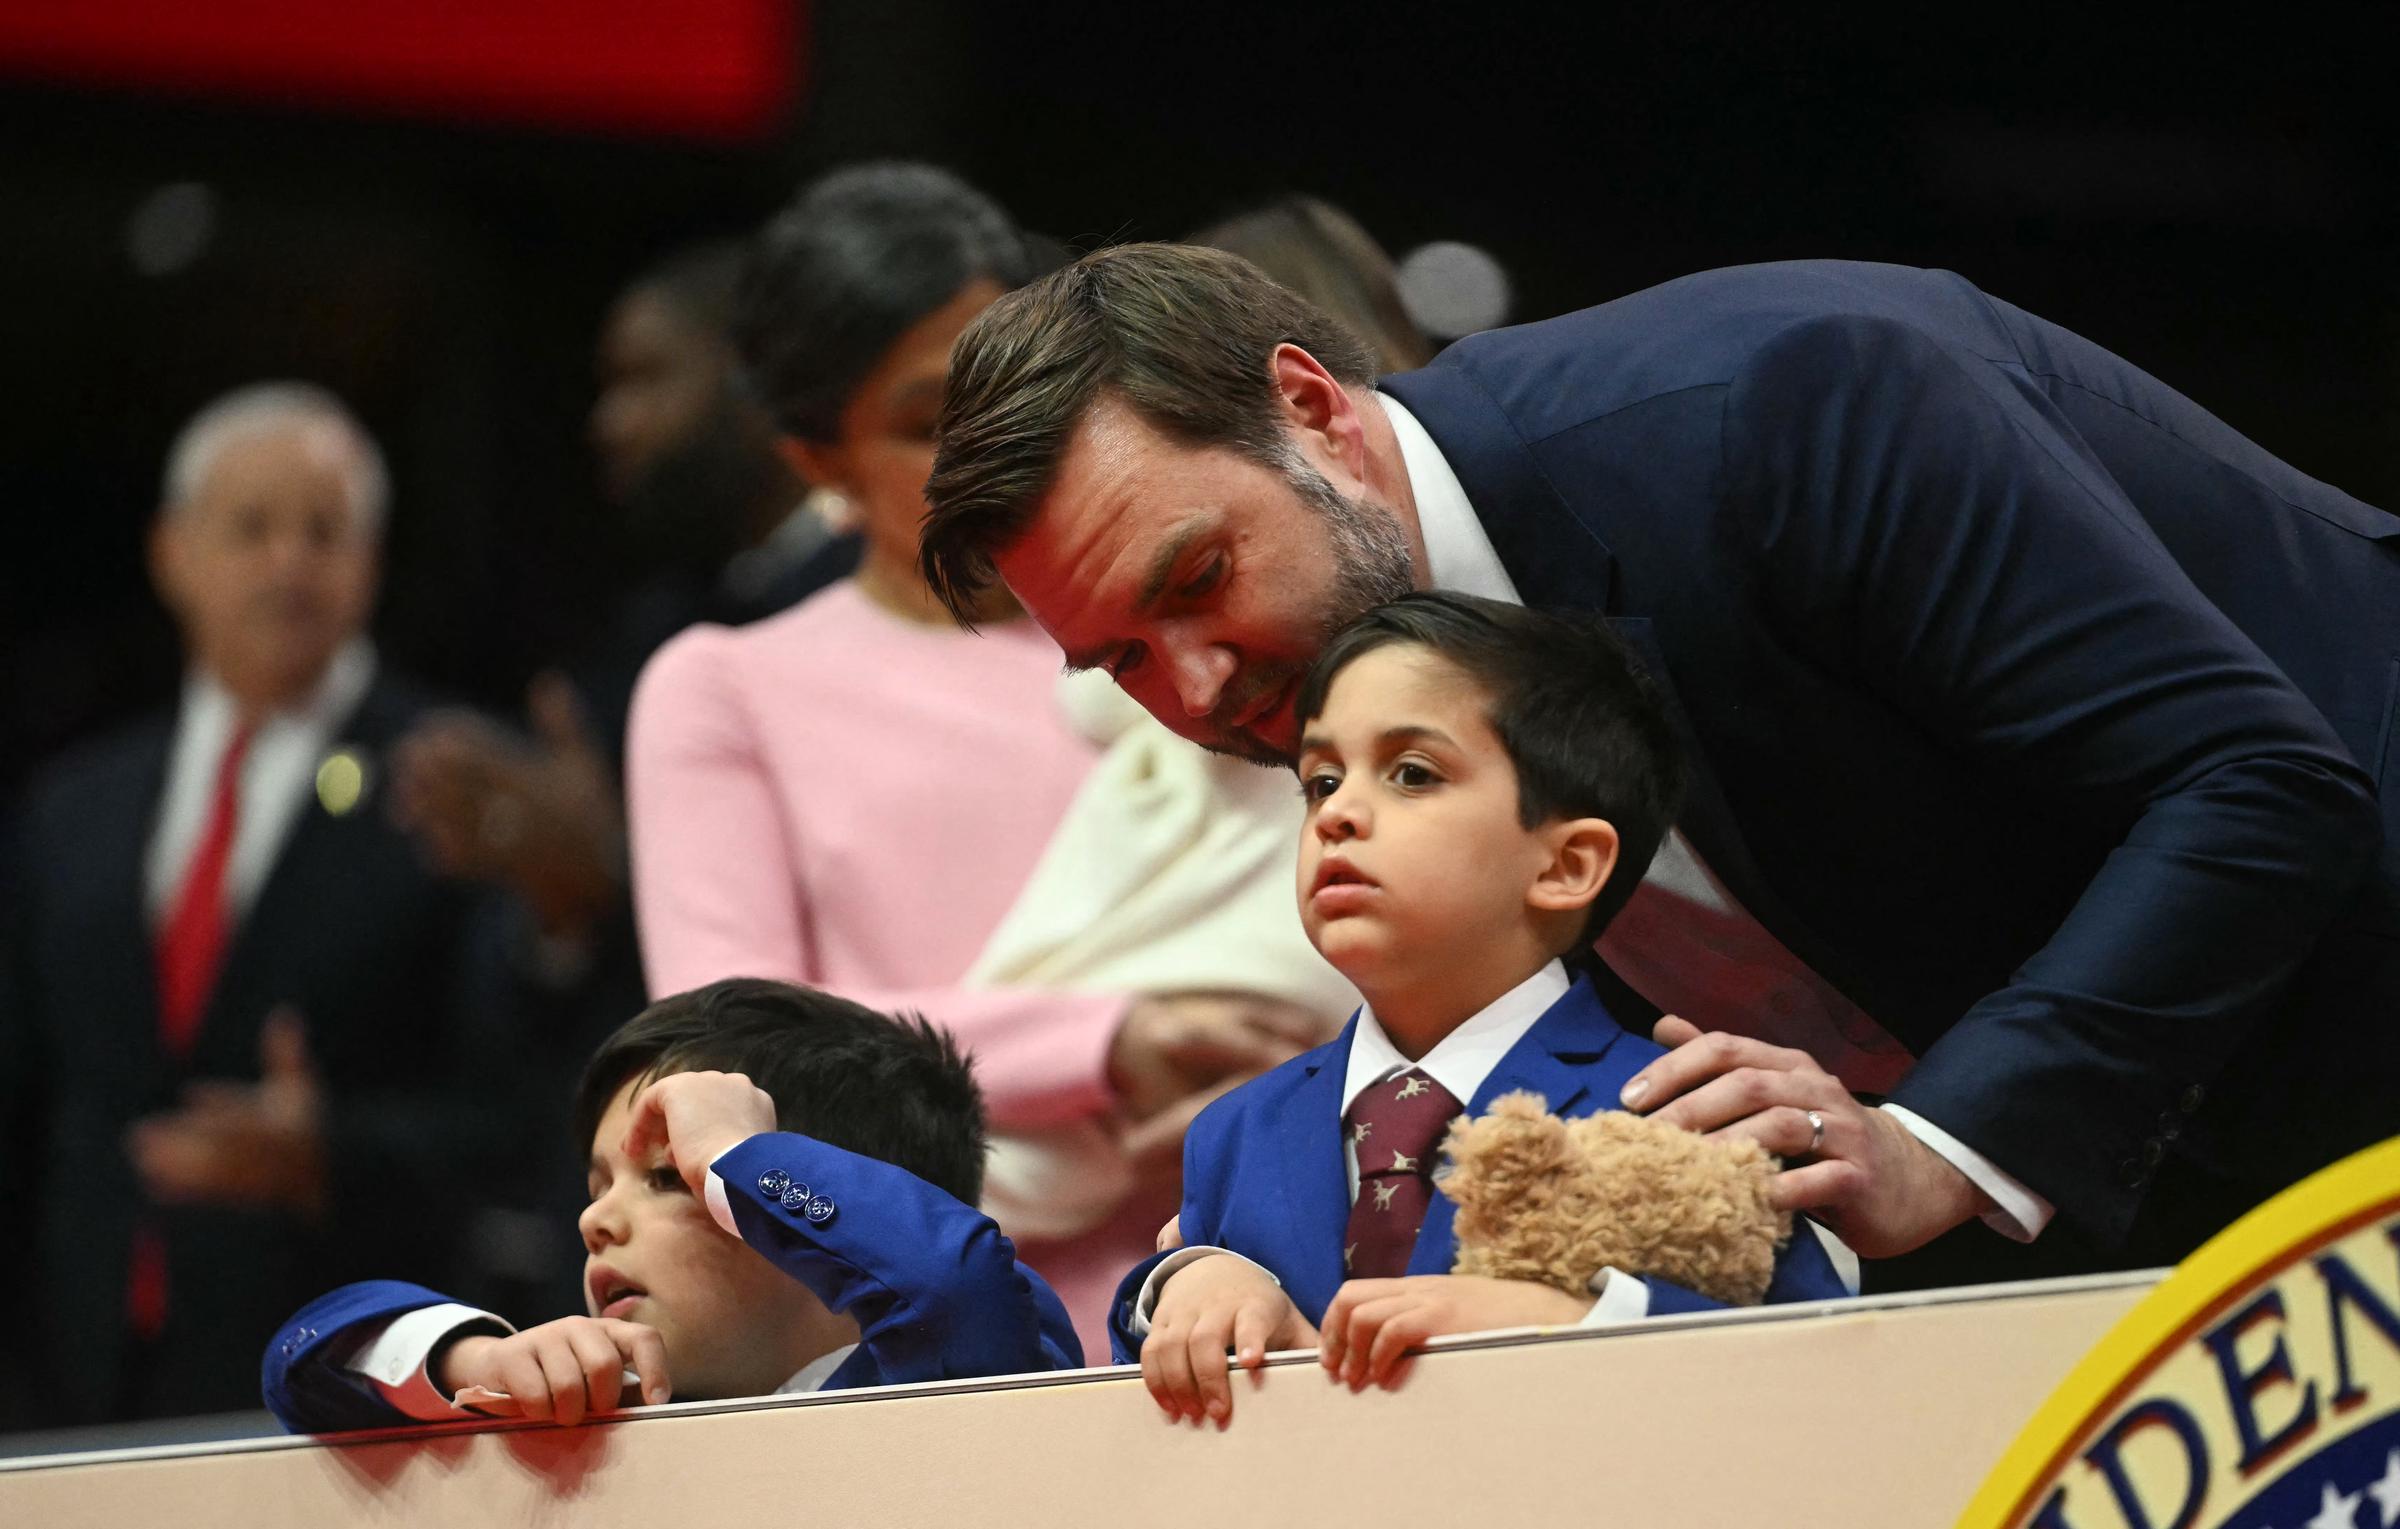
(263, 406)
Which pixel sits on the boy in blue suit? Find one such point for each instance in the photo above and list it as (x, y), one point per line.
(728, 1254)
(1485, 785)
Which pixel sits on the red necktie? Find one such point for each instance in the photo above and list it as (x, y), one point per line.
(1395, 1128)
(191, 940)
(191, 946)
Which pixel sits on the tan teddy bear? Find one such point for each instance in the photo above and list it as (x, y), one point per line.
(1554, 1201)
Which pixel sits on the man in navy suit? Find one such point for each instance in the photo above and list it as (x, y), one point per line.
(2036, 716)
(727, 1254)
(235, 1006)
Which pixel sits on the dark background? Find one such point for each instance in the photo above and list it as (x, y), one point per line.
(2216, 205)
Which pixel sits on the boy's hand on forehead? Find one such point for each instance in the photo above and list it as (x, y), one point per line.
(694, 1116)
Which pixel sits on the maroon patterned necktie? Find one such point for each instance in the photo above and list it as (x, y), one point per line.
(1395, 1129)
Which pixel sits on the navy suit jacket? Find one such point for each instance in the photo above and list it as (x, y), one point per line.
(934, 1286)
(2029, 704)
(1264, 1173)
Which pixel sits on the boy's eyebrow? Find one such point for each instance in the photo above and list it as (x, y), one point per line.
(1405, 732)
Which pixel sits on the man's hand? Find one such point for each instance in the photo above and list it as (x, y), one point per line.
(562, 1371)
(1872, 1183)
(1179, 1044)
(694, 1116)
(254, 1144)
(539, 816)
(1373, 1323)
(1210, 1305)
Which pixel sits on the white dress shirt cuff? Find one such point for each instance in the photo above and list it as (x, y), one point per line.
(720, 1209)
(1622, 1298)
(2017, 1214)
(392, 1356)
(1147, 1301)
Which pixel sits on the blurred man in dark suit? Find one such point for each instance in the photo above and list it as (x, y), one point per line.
(235, 999)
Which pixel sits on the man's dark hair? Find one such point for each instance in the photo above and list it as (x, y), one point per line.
(852, 264)
(1580, 720)
(893, 1089)
(1182, 336)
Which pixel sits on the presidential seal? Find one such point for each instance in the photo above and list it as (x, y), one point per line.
(2257, 1388)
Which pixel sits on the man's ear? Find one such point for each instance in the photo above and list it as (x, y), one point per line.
(1319, 408)
(815, 463)
(1583, 853)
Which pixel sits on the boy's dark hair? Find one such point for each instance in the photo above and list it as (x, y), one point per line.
(893, 1089)
(849, 266)
(1579, 719)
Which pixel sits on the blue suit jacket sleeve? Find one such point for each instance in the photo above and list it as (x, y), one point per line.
(934, 1286)
(306, 1390)
(1928, 530)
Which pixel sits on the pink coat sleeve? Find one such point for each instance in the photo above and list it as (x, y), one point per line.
(717, 893)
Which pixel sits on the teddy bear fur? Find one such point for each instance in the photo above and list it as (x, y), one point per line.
(1551, 1200)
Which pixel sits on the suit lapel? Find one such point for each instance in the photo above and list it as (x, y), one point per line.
(1553, 558)
(1570, 1057)
(319, 850)
(120, 853)
(1313, 1184)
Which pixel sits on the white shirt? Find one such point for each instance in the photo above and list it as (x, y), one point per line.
(1460, 1062)
(1683, 942)
(278, 778)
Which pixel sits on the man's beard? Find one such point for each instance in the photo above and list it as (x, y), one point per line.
(1371, 564)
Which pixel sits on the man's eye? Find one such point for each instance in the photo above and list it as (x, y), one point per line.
(1317, 787)
(1205, 580)
(1127, 660)
(1413, 776)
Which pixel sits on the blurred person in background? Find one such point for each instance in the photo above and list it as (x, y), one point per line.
(726, 531)
(234, 997)
(853, 794)
(1317, 250)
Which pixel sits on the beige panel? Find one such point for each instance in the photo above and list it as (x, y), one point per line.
(1852, 1414)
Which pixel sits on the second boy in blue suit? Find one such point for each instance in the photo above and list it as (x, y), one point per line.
(727, 1257)
(1485, 786)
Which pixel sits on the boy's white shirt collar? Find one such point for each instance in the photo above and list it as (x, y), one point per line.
(1459, 556)
(1461, 1060)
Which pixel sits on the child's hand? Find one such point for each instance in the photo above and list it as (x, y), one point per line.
(695, 1116)
(1372, 1323)
(1210, 1305)
(563, 1370)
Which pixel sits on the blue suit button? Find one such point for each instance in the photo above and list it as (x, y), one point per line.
(794, 1198)
(774, 1182)
(291, 1345)
(820, 1211)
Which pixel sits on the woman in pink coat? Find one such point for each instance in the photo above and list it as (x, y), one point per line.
(850, 794)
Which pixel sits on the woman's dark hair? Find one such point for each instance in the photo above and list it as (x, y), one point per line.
(1570, 703)
(892, 1089)
(850, 265)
